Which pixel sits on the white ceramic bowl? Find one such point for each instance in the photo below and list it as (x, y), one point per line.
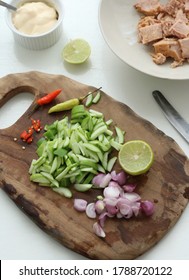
(41, 41)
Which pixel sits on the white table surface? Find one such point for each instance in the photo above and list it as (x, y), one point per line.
(20, 238)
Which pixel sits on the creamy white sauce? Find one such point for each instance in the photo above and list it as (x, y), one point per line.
(34, 18)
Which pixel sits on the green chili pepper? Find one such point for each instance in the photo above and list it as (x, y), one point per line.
(64, 106)
(69, 104)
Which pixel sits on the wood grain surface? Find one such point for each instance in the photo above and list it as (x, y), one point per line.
(167, 182)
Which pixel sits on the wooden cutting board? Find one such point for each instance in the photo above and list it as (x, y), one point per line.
(167, 182)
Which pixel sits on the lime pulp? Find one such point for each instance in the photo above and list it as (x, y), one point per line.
(136, 157)
(76, 51)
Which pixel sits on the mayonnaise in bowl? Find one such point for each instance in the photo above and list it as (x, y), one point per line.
(37, 24)
(33, 18)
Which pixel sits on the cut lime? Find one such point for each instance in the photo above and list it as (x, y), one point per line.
(136, 157)
(76, 51)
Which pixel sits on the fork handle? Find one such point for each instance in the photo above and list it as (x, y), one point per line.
(8, 6)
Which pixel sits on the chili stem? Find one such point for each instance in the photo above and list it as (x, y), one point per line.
(85, 96)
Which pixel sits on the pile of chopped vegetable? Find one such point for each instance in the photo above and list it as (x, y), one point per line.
(117, 200)
(77, 152)
(73, 151)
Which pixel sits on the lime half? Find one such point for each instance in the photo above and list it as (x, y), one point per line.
(76, 51)
(136, 157)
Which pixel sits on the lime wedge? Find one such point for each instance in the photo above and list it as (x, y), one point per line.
(136, 157)
(76, 51)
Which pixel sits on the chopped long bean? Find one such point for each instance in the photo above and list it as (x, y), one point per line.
(73, 151)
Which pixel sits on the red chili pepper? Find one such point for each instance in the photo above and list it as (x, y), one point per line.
(30, 130)
(48, 97)
(36, 124)
(29, 140)
(26, 134)
(45, 100)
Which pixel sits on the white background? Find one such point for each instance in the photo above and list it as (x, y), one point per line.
(20, 238)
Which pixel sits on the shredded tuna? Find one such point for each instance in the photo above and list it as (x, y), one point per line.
(186, 6)
(169, 48)
(148, 7)
(180, 15)
(180, 29)
(173, 6)
(166, 28)
(184, 45)
(150, 33)
(175, 63)
(148, 20)
(159, 58)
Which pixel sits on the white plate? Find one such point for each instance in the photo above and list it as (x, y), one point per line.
(118, 20)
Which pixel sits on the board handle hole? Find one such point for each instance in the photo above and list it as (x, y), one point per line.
(14, 108)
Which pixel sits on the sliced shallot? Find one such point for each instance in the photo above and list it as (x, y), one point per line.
(147, 207)
(129, 187)
(101, 180)
(111, 192)
(98, 230)
(99, 206)
(118, 200)
(120, 177)
(90, 210)
(80, 204)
